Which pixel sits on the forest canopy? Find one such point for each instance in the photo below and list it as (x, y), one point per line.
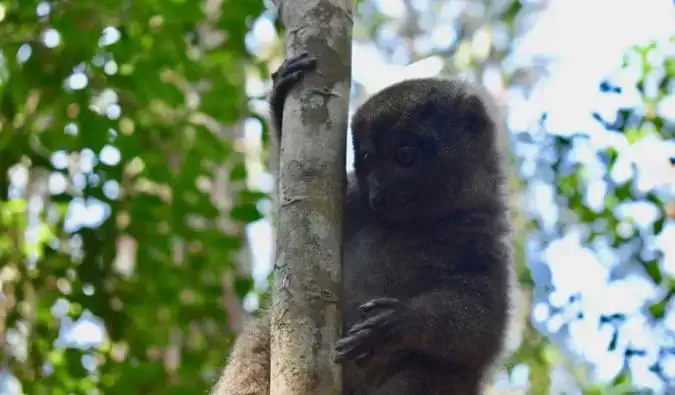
(135, 211)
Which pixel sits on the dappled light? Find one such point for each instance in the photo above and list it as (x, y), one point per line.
(137, 205)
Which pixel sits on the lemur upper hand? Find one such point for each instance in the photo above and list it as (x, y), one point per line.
(284, 79)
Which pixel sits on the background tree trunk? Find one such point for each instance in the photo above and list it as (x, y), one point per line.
(305, 314)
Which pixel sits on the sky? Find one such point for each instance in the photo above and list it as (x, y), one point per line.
(587, 51)
(586, 44)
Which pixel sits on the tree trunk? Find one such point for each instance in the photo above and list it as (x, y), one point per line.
(306, 320)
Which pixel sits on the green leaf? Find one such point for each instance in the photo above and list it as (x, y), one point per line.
(243, 285)
(238, 172)
(245, 212)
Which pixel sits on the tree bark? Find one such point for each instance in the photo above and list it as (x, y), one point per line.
(305, 321)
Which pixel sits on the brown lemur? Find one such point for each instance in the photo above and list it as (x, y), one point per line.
(427, 260)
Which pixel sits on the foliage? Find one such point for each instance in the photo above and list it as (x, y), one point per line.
(618, 202)
(114, 118)
(117, 120)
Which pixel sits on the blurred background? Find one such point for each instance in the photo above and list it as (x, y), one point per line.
(135, 219)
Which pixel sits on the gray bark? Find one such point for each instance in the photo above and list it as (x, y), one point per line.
(305, 320)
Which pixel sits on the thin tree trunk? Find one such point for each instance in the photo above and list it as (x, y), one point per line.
(306, 320)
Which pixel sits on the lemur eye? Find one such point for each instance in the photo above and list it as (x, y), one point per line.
(366, 158)
(406, 155)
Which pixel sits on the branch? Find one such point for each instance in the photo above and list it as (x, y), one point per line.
(306, 321)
